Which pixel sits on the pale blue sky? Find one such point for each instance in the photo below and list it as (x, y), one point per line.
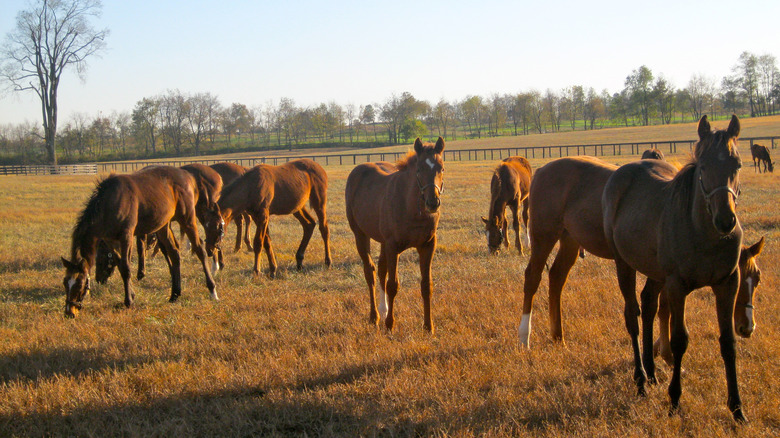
(362, 52)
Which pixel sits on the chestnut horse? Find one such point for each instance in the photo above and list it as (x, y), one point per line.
(652, 153)
(398, 206)
(209, 186)
(123, 206)
(229, 172)
(268, 190)
(681, 230)
(760, 154)
(508, 187)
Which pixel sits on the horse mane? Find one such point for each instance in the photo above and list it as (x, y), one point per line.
(88, 216)
(409, 160)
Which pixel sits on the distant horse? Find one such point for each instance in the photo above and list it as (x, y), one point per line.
(209, 186)
(266, 190)
(229, 172)
(508, 187)
(653, 153)
(397, 205)
(123, 206)
(681, 230)
(760, 154)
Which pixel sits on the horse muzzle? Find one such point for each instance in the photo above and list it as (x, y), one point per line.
(725, 223)
(433, 204)
(745, 331)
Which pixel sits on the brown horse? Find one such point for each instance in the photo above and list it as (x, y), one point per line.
(681, 230)
(760, 155)
(398, 206)
(508, 187)
(123, 206)
(229, 173)
(268, 190)
(209, 186)
(653, 153)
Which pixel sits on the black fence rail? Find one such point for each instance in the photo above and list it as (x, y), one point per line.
(43, 169)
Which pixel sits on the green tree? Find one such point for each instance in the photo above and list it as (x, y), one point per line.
(639, 87)
(49, 38)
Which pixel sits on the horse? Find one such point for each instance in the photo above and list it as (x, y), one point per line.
(509, 186)
(123, 206)
(680, 229)
(266, 190)
(397, 205)
(229, 172)
(209, 185)
(760, 154)
(652, 153)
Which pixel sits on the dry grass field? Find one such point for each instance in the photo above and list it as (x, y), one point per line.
(296, 356)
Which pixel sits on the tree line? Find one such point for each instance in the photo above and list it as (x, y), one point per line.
(176, 123)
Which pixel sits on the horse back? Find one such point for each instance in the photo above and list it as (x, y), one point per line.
(228, 171)
(514, 174)
(294, 183)
(165, 193)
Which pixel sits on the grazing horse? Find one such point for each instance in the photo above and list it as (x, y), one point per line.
(508, 187)
(397, 205)
(279, 190)
(123, 206)
(653, 153)
(680, 229)
(209, 186)
(229, 172)
(760, 154)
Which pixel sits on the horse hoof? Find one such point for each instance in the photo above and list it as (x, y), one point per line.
(173, 298)
(140, 276)
(739, 417)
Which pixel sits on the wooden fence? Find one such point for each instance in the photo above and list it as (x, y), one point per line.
(492, 154)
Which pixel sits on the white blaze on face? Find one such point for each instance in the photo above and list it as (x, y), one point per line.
(525, 329)
(71, 282)
(382, 306)
(430, 163)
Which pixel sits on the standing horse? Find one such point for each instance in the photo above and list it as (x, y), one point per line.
(653, 154)
(229, 173)
(123, 206)
(508, 187)
(760, 154)
(279, 190)
(398, 206)
(681, 230)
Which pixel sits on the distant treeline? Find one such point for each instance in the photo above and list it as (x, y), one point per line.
(179, 124)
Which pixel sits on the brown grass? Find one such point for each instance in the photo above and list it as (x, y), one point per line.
(296, 356)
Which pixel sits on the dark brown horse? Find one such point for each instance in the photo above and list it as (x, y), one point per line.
(508, 187)
(397, 205)
(760, 155)
(209, 186)
(653, 153)
(680, 229)
(267, 190)
(124, 206)
(229, 173)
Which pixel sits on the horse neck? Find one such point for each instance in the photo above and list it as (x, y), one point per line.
(232, 201)
(84, 245)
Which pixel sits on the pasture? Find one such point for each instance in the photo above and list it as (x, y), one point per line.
(295, 355)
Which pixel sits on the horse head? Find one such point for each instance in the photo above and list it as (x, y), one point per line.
(717, 173)
(495, 233)
(76, 284)
(750, 277)
(430, 170)
(653, 153)
(214, 225)
(105, 261)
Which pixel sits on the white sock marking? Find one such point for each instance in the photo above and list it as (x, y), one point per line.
(525, 330)
(525, 238)
(382, 303)
(214, 294)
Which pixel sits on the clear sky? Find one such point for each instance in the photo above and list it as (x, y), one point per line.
(361, 52)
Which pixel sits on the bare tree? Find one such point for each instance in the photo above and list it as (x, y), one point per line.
(50, 37)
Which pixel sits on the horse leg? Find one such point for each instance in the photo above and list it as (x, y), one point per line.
(627, 281)
(322, 219)
(247, 224)
(725, 295)
(541, 246)
(676, 294)
(559, 272)
(191, 230)
(141, 243)
(363, 245)
(516, 226)
(526, 240)
(661, 346)
(504, 228)
(125, 250)
(382, 274)
(269, 252)
(168, 246)
(392, 283)
(426, 257)
(307, 222)
(649, 297)
(239, 226)
(261, 221)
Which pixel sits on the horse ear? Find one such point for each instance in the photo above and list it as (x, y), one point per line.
(485, 220)
(439, 146)
(67, 264)
(755, 250)
(733, 129)
(418, 146)
(704, 127)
